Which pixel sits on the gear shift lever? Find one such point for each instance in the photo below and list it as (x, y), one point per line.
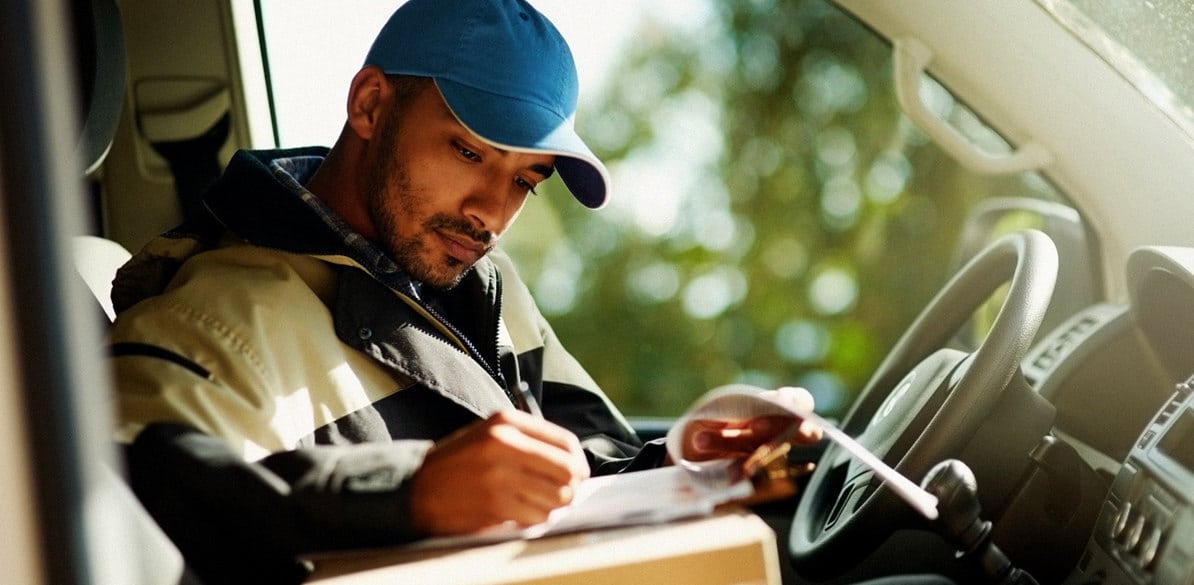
(958, 522)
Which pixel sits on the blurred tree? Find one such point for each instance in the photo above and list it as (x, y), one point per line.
(777, 220)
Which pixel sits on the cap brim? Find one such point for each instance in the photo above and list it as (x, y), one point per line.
(522, 126)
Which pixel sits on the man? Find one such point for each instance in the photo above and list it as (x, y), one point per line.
(338, 356)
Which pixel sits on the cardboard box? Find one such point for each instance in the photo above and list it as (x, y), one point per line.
(730, 547)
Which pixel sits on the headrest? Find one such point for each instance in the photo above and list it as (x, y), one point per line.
(102, 68)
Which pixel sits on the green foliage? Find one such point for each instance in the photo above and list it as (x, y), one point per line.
(805, 244)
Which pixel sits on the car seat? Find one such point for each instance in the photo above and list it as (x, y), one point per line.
(145, 552)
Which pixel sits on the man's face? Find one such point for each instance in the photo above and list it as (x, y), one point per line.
(440, 197)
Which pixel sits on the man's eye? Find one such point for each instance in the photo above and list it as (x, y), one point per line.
(466, 153)
(525, 184)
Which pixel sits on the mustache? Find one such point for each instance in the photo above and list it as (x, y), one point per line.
(462, 227)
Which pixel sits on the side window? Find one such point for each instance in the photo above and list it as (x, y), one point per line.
(775, 218)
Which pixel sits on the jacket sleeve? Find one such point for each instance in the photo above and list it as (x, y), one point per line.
(214, 504)
(243, 347)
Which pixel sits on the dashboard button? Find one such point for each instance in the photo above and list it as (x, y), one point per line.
(1120, 523)
(1149, 546)
(1134, 532)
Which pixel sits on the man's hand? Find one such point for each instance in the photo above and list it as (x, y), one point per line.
(713, 439)
(512, 467)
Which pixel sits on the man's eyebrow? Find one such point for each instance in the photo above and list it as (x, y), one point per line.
(545, 170)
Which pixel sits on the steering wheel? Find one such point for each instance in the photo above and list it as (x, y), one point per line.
(923, 403)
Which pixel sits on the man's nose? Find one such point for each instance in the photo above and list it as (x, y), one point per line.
(489, 206)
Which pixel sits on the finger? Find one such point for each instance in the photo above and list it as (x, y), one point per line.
(810, 432)
(489, 473)
(494, 494)
(795, 397)
(515, 439)
(510, 510)
(541, 429)
(543, 494)
(800, 400)
(509, 476)
(542, 432)
(531, 456)
(525, 512)
(521, 498)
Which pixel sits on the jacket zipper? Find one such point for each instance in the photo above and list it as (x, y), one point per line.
(463, 344)
(456, 338)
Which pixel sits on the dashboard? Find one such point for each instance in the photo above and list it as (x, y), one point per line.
(1122, 379)
(1145, 531)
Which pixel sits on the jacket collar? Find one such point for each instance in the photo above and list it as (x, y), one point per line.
(252, 204)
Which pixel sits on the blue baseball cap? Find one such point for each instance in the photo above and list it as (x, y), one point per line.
(504, 71)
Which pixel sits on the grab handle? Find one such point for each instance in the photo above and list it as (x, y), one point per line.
(910, 58)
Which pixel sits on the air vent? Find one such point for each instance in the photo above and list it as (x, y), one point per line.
(1179, 396)
(1064, 342)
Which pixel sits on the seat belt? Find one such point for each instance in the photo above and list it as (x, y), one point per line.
(195, 163)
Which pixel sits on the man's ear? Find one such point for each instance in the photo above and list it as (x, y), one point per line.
(367, 95)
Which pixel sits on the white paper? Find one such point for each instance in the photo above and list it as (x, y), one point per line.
(735, 402)
(741, 401)
(921, 500)
(642, 497)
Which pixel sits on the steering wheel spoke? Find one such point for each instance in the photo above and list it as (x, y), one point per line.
(849, 499)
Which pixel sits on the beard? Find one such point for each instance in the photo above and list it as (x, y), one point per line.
(391, 199)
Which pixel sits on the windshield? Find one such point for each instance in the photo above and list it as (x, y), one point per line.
(1149, 43)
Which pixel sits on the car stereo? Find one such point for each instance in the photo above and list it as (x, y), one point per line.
(1145, 531)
